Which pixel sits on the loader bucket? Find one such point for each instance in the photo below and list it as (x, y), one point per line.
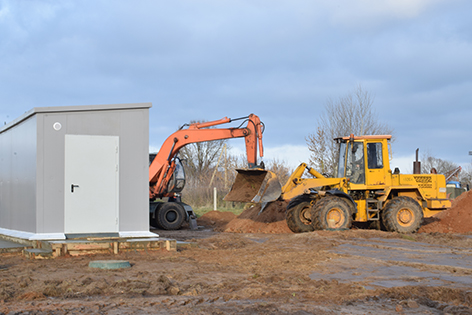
(255, 185)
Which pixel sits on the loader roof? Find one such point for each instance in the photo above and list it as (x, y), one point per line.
(369, 137)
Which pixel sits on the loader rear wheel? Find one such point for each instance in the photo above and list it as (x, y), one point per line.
(299, 218)
(170, 216)
(331, 212)
(402, 215)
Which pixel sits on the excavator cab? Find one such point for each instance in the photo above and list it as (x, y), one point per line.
(177, 181)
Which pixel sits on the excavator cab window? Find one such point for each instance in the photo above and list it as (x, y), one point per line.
(177, 181)
(355, 169)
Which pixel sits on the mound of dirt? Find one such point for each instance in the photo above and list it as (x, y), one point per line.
(216, 219)
(457, 219)
(271, 220)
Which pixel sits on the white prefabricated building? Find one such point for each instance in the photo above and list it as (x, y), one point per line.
(73, 171)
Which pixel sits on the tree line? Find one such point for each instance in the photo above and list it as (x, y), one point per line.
(354, 113)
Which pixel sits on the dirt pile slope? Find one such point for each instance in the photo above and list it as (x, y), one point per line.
(458, 219)
(271, 220)
(216, 219)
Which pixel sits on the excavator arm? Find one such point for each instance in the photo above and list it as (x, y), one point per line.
(163, 165)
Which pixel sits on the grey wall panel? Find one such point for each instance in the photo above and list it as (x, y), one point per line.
(18, 176)
(51, 173)
(134, 173)
(102, 123)
(132, 126)
(5, 180)
(32, 148)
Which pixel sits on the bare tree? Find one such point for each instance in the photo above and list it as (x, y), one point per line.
(200, 157)
(279, 168)
(200, 161)
(428, 162)
(466, 176)
(350, 114)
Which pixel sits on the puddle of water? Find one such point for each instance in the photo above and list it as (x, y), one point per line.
(452, 259)
(404, 244)
(9, 244)
(258, 240)
(388, 276)
(372, 262)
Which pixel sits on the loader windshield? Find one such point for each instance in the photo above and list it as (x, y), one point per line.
(341, 160)
(355, 168)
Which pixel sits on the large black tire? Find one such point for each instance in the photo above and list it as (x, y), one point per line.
(299, 218)
(402, 215)
(170, 216)
(331, 213)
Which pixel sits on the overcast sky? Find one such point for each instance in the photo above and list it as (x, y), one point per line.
(282, 60)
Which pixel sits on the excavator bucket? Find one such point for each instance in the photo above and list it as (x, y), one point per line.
(255, 185)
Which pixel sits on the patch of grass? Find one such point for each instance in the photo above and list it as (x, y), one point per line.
(408, 237)
(201, 211)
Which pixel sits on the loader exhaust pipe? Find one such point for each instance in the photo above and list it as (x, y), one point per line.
(417, 164)
(255, 185)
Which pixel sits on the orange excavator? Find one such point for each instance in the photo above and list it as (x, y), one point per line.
(167, 175)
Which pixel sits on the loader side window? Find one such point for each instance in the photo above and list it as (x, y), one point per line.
(374, 155)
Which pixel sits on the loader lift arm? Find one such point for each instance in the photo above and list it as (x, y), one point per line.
(163, 165)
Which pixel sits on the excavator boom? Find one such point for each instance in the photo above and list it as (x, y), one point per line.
(163, 165)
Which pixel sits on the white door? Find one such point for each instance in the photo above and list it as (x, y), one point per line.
(91, 184)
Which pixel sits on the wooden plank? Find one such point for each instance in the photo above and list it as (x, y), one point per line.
(108, 246)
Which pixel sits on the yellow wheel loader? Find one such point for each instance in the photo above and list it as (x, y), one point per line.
(364, 190)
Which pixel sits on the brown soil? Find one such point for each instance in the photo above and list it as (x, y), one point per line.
(270, 220)
(262, 269)
(216, 219)
(246, 185)
(236, 273)
(457, 219)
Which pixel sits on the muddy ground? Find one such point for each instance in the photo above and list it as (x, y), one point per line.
(254, 264)
(323, 272)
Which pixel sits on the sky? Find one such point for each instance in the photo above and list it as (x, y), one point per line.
(281, 60)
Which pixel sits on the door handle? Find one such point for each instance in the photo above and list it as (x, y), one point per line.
(72, 186)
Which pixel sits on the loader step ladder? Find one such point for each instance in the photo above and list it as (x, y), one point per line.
(373, 207)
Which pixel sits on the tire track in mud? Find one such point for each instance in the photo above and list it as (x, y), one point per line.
(395, 263)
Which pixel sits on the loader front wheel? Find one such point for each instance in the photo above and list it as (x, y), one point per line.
(299, 218)
(331, 213)
(402, 215)
(170, 216)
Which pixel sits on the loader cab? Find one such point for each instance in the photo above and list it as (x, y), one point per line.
(351, 162)
(364, 160)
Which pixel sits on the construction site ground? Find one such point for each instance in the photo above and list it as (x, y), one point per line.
(254, 265)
